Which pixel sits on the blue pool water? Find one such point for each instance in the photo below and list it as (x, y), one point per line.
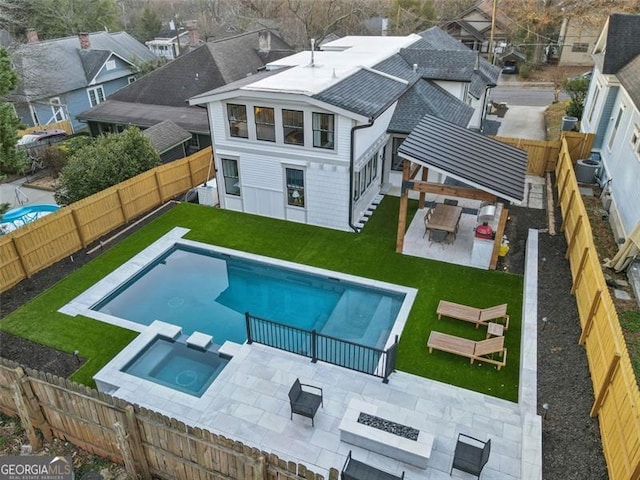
(177, 365)
(210, 292)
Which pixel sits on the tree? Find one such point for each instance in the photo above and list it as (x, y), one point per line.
(409, 16)
(10, 158)
(111, 159)
(577, 89)
(59, 18)
(148, 25)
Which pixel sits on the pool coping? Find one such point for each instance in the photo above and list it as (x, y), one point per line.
(81, 305)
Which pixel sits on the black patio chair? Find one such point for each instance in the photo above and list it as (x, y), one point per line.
(439, 236)
(356, 470)
(302, 402)
(471, 455)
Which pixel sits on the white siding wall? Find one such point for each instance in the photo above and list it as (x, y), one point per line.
(623, 167)
(589, 123)
(262, 164)
(366, 136)
(477, 105)
(457, 89)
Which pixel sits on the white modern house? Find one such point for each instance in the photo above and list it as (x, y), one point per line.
(313, 138)
(612, 113)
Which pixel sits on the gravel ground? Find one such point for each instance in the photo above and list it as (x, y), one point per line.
(571, 439)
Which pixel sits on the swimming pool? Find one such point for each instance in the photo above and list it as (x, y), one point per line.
(176, 365)
(209, 291)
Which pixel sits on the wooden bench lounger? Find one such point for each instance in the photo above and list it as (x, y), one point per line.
(469, 348)
(479, 316)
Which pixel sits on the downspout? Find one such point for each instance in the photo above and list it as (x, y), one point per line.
(351, 172)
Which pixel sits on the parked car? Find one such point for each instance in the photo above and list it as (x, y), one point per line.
(510, 67)
(35, 142)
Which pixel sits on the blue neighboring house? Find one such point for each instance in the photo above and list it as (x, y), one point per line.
(62, 77)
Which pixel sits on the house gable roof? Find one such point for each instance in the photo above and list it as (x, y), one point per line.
(425, 97)
(629, 77)
(92, 61)
(623, 41)
(52, 67)
(366, 92)
(451, 65)
(205, 68)
(166, 135)
(468, 157)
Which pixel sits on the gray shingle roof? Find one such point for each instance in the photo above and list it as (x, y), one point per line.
(452, 65)
(398, 67)
(192, 119)
(629, 77)
(166, 135)
(468, 157)
(92, 61)
(425, 97)
(623, 41)
(52, 67)
(364, 92)
(203, 69)
(438, 39)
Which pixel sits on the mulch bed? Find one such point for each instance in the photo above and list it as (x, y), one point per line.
(571, 439)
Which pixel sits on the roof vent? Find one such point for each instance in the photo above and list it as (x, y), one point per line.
(334, 74)
(313, 47)
(415, 67)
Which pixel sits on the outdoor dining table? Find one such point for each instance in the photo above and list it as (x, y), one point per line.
(445, 218)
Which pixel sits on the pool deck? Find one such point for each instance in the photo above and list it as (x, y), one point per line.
(249, 402)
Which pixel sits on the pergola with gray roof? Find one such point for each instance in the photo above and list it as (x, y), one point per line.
(491, 169)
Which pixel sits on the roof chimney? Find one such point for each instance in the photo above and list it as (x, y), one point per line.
(264, 41)
(32, 35)
(85, 41)
(194, 35)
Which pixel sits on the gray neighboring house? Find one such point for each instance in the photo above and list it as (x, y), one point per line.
(65, 76)
(163, 94)
(169, 140)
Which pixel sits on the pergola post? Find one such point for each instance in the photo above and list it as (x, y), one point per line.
(404, 204)
(423, 195)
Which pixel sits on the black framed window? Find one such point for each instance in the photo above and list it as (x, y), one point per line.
(237, 116)
(396, 161)
(293, 126)
(323, 130)
(295, 187)
(231, 177)
(265, 123)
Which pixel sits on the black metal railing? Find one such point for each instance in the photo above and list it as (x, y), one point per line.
(316, 346)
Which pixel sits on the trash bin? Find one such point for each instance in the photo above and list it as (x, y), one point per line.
(569, 123)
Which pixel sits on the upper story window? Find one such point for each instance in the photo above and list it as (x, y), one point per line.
(111, 64)
(293, 127)
(96, 95)
(265, 123)
(323, 130)
(237, 115)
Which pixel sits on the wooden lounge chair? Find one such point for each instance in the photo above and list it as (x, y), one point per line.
(469, 348)
(479, 316)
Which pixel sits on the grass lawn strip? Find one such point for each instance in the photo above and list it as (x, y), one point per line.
(370, 254)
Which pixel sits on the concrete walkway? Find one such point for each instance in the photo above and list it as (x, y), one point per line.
(523, 122)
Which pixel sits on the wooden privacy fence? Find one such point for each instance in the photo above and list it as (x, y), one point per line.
(145, 442)
(543, 155)
(42, 243)
(617, 398)
(62, 125)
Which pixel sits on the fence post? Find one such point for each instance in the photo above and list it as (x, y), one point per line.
(121, 202)
(123, 445)
(136, 442)
(76, 222)
(390, 360)
(247, 320)
(159, 186)
(605, 385)
(23, 411)
(592, 314)
(574, 236)
(21, 257)
(314, 350)
(583, 262)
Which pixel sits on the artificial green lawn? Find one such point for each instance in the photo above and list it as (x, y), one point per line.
(369, 254)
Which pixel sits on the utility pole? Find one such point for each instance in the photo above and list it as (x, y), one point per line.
(492, 47)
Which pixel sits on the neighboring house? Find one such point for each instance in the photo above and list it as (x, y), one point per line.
(612, 113)
(169, 140)
(63, 77)
(577, 38)
(169, 42)
(473, 28)
(313, 139)
(163, 94)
